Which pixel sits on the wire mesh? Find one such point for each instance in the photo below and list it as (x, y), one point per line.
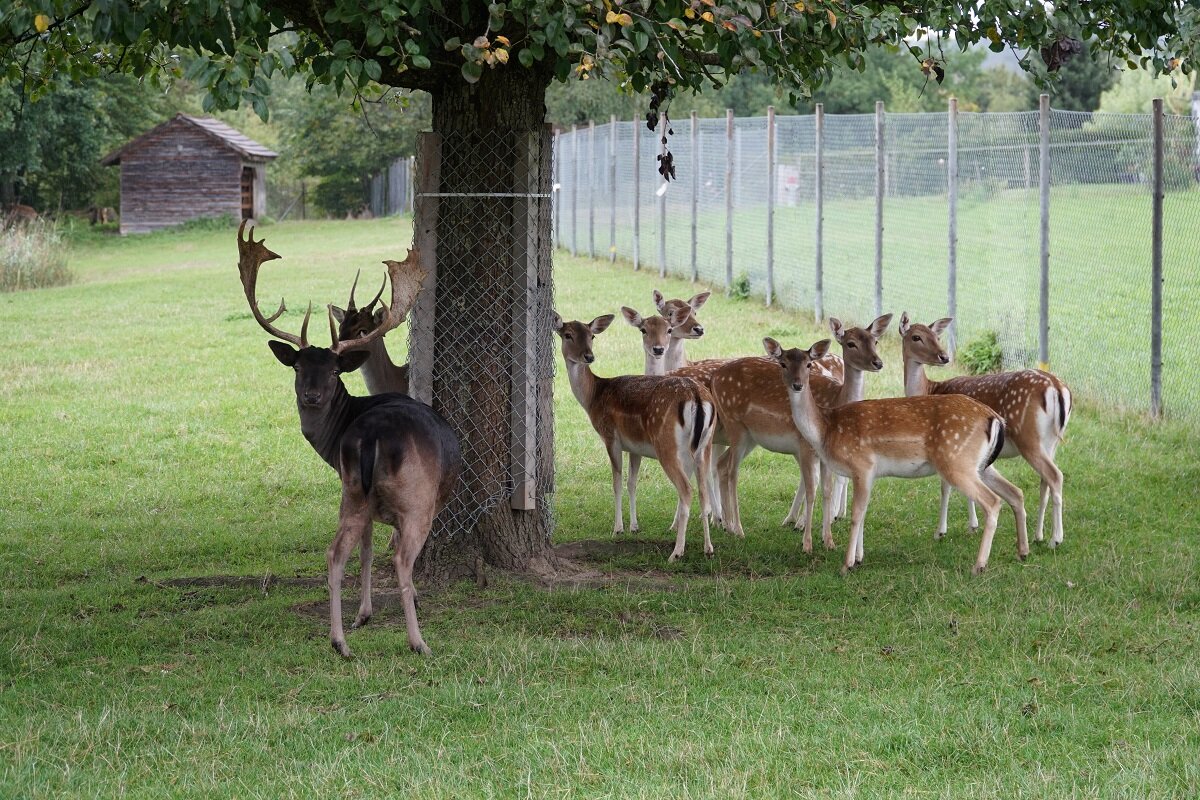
(492, 221)
(1100, 205)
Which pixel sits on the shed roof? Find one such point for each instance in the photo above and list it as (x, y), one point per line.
(230, 137)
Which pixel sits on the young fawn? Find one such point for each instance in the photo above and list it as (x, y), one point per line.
(1034, 405)
(665, 418)
(906, 437)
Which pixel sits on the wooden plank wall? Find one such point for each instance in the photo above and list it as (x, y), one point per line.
(177, 174)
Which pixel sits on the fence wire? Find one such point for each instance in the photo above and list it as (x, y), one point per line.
(607, 204)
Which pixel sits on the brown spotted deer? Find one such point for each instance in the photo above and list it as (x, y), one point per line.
(379, 373)
(755, 410)
(684, 326)
(1034, 405)
(661, 417)
(398, 459)
(903, 437)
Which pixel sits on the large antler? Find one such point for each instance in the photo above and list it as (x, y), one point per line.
(406, 277)
(251, 255)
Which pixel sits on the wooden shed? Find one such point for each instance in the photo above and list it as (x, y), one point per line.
(187, 168)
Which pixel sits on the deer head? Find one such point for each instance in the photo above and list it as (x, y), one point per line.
(685, 326)
(920, 343)
(794, 362)
(858, 344)
(354, 322)
(577, 337)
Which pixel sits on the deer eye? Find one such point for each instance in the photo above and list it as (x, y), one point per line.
(567, 337)
(851, 344)
(916, 338)
(670, 329)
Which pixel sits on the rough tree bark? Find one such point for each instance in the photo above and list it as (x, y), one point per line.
(493, 139)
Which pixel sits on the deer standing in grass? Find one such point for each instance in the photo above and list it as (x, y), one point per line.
(903, 437)
(755, 410)
(379, 373)
(398, 459)
(665, 418)
(1034, 405)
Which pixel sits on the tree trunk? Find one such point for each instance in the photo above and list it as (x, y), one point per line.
(493, 275)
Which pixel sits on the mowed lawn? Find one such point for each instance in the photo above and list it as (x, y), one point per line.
(162, 537)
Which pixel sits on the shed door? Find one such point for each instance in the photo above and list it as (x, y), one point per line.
(247, 192)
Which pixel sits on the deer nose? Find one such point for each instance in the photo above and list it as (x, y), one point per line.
(877, 363)
(589, 358)
(942, 357)
(698, 330)
(312, 398)
(658, 351)
(797, 387)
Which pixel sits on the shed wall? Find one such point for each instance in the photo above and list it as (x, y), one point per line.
(177, 174)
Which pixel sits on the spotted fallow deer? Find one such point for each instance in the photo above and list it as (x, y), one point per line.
(755, 410)
(903, 437)
(661, 417)
(398, 459)
(1034, 405)
(379, 373)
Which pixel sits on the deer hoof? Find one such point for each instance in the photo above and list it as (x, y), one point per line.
(360, 620)
(673, 557)
(709, 553)
(341, 648)
(973, 528)
(634, 529)
(1054, 545)
(939, 535)
(978, 569)
(846, 570)
(420, 648)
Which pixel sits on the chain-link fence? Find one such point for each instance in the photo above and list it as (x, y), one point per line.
(933, 214)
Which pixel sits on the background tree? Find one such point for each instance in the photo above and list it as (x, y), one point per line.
(487, 67)
(1082, 80)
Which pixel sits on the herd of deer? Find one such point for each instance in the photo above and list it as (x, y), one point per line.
(399, 460)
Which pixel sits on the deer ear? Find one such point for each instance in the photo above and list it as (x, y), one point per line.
(659, 300)
(819, 349)
(339, 314)
(904, 323)
(879, 327)
(284, 352)
(699, 300)
(631, 316)
(348, 362)
(556, 322)
(837, 328)
(600, 324)
(679, 315)
(379, 315)
(941, 325)
(773, 348)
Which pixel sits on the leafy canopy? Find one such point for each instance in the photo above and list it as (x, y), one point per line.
(681, 45)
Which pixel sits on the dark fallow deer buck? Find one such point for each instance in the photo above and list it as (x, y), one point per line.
(398, 459)
(903, 437)
(1034, 405)
(378, 372)
(661, 417)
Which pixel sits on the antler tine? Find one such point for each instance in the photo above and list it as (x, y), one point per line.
(379, 294)
(333, 336)
(350, 304)
(251, 255)
(304, 327)
(406, 277)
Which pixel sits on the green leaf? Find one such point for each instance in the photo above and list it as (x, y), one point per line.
(452, 44)
(420, 62)
(525, 56)
(471, 72)
(374, 35)
(372, 68)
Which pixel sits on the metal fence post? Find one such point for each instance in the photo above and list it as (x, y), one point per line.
(879, 178)
(1044, 184)
(695, 195)
(952, 241)
(591, 189)
(1156, 276)
(728, 200)
(612, 187)
(770, 204)
(556, 189)
(662, 201)
(818, 235)
(637, 195)
(574, 189)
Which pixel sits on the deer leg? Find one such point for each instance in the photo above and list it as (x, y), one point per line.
(714, 484)
(683, 508)
(703, 471)
(944, 512)
(1052, 480)
(635, 465)
(975, 489)
(365, 609)
(350, 526)
(972, 520)
(1016, 501)
(408, 539)
(794, 515)
(614, 459)
(858, 514)
(827, 476)
(728, 498)
(1043, 502)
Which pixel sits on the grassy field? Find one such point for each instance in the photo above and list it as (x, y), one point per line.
(162, 540)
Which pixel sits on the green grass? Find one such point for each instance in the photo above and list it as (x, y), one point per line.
(149, 438)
